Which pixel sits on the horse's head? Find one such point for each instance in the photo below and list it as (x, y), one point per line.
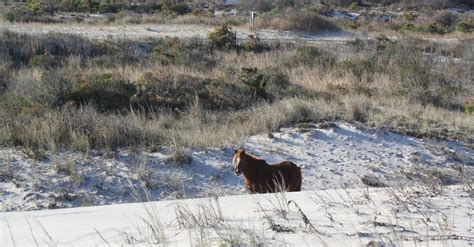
(237, 161)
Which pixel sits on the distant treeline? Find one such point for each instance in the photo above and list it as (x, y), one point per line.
(150, 6)
(264, 5)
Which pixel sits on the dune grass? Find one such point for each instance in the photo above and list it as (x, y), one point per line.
(67, 92)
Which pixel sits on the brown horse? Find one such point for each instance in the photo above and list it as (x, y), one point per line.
(260, 177)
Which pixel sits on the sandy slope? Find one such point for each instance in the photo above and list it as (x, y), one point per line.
(165, 30)
(416, 210)
(401, 217)
(331, 156)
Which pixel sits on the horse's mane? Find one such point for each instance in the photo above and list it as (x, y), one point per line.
(253, 156)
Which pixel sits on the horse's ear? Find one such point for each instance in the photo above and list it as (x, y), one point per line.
(243, 151)
(235, 151)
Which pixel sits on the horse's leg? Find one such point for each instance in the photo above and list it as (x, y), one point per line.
(251, 190)
(258, 188)
(295, 187)
(296, 180)
(249, 186)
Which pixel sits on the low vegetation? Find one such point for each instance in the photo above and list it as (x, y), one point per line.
(291, 19)
(67, 92)
(425, 17)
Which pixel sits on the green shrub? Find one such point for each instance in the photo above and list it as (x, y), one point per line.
(433, 28)
(464, 27)
(163, 90)
(322, 9)
(413, 74)
(354, 6)
(20, 48)
(251, 77)
(297, 20)
(3, 82)
(19, 14)
(408, 27)
(167, 51)
(108, 8)
(469, 107)
(357, 67)
(260, 6)
(15, 104)
(253, 44)
(180, 8)
(34, 6)
(445, 19)
(104, 92)
(410, 16)
(9, 16)
(276, 82)
(414, 80)
(311, 56)
(223, 38)
(266, 84)
(147, 8)
(193, 54)
(348, 24)
(41, 61)
(85, 5)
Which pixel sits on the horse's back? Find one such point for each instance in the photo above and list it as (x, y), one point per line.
(291, 174)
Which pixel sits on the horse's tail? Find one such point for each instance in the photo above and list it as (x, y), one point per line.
(295, 179)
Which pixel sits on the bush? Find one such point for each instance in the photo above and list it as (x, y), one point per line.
(104, 92)
(9, 16)
(41, 61)
(180, 8)
(464, 27)
(109, 8)
(469, 106)
(167, 51)
(276, 82)
(162, 90)
(297, 20)
(409, 27)
(310, 56)
(253, 44)
(15, 104)
(20, 14)
(418, 83)
(340, 3)
(445, 19)
(253, 79)
(433, 28)
(354, 6)
(20, 48)
(193, 54)
(266, 84)
(34, 6)
(347, 24)
(409, 16)
(358, 68)
(223, 38)
(148, 8)
(256, 5)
